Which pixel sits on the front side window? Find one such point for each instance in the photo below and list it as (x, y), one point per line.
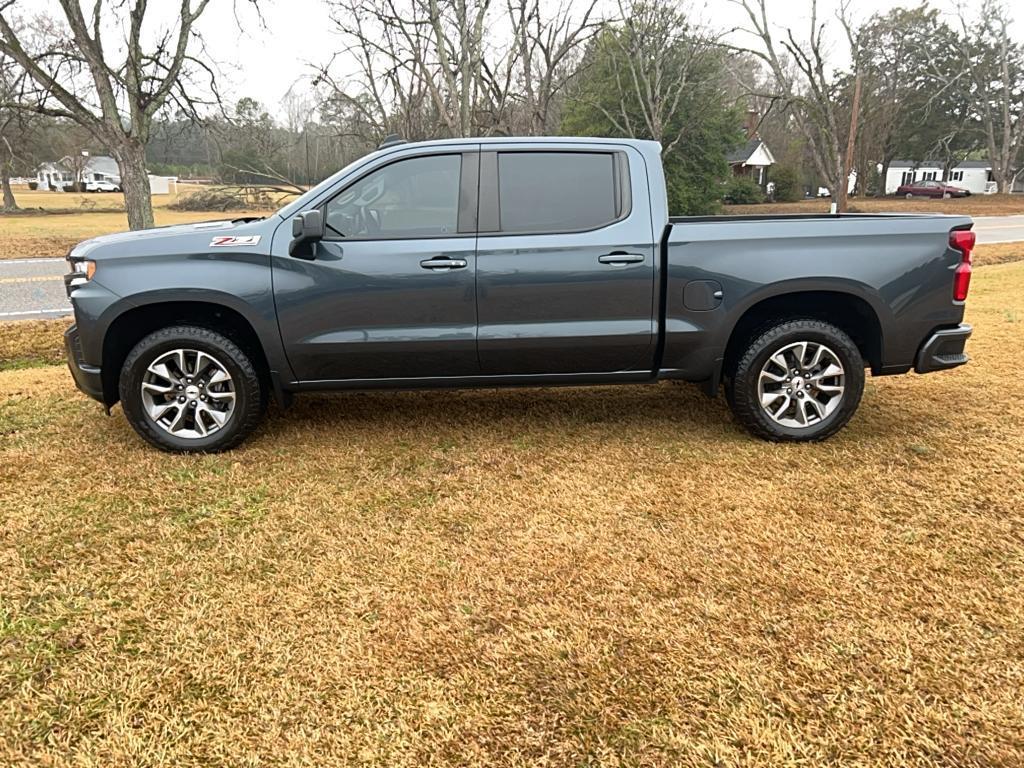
(558, 191)
(417, 197)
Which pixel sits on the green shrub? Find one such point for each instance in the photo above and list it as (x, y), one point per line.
(787, 185)
(740, 190)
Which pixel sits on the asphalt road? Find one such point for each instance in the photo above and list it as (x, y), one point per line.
(33, 288)
(999, 229)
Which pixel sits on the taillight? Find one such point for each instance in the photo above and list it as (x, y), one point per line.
(962, 240)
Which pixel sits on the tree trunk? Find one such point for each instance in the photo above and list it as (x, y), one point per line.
(883, 179)
(131, 162)
(10, 204)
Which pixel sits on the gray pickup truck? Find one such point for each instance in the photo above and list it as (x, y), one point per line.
(496, 262)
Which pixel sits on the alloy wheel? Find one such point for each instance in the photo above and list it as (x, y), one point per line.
(801, 384)
(188, 393)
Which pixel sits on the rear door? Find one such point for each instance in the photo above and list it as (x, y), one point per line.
(391, 293)
(565, 261)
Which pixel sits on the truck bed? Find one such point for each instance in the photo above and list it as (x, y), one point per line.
(896, 267)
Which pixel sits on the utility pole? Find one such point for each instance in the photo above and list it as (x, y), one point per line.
(844, 182)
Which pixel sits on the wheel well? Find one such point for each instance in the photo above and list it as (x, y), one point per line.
(849, 313)
(129, 328)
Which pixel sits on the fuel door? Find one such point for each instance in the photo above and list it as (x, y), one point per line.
(702, 295)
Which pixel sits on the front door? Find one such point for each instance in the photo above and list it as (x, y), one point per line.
(565, 262)
(391, 292)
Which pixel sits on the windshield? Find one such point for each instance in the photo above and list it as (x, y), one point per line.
(303, 200)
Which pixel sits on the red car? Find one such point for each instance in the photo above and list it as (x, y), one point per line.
(931, 189)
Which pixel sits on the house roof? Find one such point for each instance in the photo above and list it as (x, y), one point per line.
(95, 164)
(938, 164)
(102, 164)
(744, 154)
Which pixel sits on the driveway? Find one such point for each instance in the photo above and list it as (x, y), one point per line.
(33, 288)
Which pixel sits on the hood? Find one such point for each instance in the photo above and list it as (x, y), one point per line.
(177, 238)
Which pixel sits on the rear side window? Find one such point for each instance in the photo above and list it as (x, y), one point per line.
(560, 191)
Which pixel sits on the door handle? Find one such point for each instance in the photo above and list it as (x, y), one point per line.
(443, 265)
(621, 257)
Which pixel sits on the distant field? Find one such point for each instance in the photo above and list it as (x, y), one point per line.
(976, 205)
(54, 221)
(33, 233)
(86, 201)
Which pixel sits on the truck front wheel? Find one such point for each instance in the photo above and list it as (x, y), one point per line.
(797, 381)
(189, 389)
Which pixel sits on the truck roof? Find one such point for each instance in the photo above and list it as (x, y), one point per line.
(651, 150)
(642, 144)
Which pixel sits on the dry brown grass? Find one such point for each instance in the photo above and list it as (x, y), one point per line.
(1000, 253)
(32, 342)
(42, 201)
(608, 576)
(48, 233)
(55, 221)
(976, 205)
(51, 235)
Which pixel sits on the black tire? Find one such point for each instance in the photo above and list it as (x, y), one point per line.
(250, 394)
(741, 387)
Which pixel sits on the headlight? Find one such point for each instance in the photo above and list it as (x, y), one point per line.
(82, 271)
(85, 267)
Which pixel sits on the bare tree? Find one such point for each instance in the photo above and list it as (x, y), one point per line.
(810, 85)
(996, 66)
(412, 55)
(431, 67)
(8, 125)
(526, 79)
(10, 122)
(657, 58)
(74, 76)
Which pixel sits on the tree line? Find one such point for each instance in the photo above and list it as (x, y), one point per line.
(831, 95)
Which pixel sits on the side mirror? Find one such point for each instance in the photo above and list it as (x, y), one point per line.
(307, 230)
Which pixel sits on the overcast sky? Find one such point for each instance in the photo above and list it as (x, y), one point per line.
(264, 59)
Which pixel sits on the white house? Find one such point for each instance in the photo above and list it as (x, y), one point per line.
(95, 169)
(972, 175)
(753, 160)
(61, 174)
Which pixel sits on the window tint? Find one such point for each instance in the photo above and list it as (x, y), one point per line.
(557, 191)
(418, 197)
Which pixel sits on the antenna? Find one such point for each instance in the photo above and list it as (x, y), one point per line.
(391, 140)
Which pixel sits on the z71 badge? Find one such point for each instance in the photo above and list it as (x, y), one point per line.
(222, 241)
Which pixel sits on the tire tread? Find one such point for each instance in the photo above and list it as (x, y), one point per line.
(256, 395)
(746, 410)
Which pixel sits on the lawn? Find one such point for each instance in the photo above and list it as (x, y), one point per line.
(562, 577)
(52, 222)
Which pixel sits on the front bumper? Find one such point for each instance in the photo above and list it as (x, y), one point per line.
(943, 349)
(87, 377)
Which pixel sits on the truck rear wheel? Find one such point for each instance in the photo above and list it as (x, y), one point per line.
(797, 381)
(189, 389)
